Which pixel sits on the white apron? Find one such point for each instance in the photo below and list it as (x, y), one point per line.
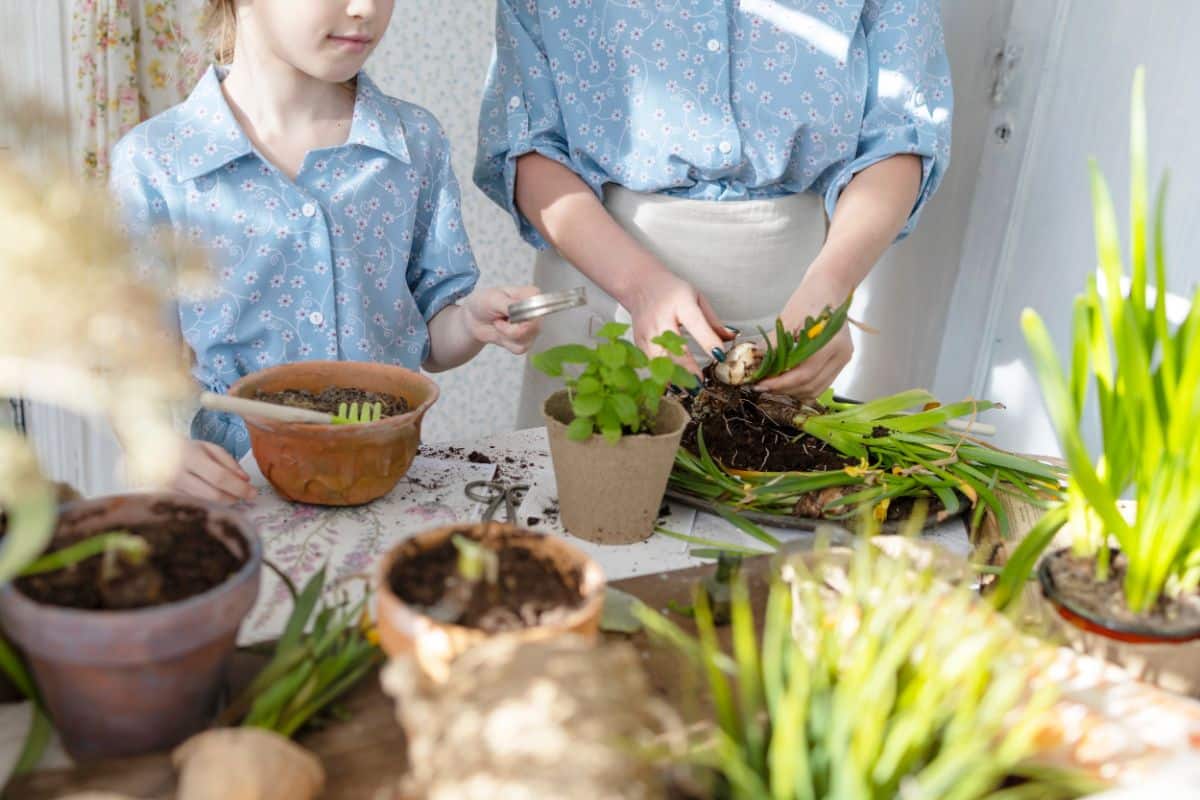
(746, 257)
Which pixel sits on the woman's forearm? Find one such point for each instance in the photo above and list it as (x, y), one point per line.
(870, 213)
(450, 341)
(566, 212)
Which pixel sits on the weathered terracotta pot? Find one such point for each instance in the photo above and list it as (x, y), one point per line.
(405, 631)
(337, 465)
(122, 683)
(1169, 659)
(611, 493)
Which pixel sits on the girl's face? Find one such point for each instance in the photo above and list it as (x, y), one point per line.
(327, 39)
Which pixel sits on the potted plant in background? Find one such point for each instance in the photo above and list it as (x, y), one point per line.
(1126, 588)
(613, 433)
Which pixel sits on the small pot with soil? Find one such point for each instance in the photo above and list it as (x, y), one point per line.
(443, 591)
(130, 657)
(337, 465)
(1161, 646)
(610, 493)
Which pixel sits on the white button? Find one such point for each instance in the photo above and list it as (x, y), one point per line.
(514, 103)
(714, 45)
(316, 318)
(725, 147)
(308, 209)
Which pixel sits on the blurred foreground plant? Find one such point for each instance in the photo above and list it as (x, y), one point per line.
(856, 691)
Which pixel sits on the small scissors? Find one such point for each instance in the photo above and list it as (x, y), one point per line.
(494, 493)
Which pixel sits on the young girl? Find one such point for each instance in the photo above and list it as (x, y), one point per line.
(329, 209)
(685, 156)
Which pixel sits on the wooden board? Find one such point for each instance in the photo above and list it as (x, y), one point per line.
(367, 751)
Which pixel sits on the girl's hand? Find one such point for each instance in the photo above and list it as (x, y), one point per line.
(818, 373)
(208, 472)
(662, 301)
(487, 322)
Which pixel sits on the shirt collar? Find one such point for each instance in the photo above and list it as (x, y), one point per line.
(376, 123)
(211, 135)
(219, 139)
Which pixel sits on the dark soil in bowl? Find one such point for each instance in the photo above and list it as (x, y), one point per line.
(530, 590)
(328, 400)
(1076, 587)
(184, 561)
(744, 436)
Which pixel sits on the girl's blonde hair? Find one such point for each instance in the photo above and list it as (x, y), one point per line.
(220, 26)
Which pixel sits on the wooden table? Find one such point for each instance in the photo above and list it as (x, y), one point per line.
(367, 751)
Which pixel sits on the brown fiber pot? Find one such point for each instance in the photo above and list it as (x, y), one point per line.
(123, 683)
(337, 465)
(611, 493)
(1168, 660)
(404, 631)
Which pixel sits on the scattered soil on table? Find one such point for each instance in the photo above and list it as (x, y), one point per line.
(184, 561)
(1077, 587)
(530, 590)
(328, 400)
(476, 457)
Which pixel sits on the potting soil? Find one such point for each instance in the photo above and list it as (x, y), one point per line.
(1075, 579)
(530, 590)
(328, 400)
(184, 561)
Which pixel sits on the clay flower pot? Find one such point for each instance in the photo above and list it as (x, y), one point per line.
(121, 683)
(407, 631)
(611, 493)
(1167, 656)
(337, 465)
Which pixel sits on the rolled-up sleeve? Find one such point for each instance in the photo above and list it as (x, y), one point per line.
(520, 113)
(908, 102)
(442, 269)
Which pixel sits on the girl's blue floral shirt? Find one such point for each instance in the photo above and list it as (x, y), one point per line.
(348, 261)
(715, 100)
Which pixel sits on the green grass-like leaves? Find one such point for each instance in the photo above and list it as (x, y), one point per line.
(1144, 380)
(856, 696)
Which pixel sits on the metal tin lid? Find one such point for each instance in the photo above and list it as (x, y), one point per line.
(543, 304)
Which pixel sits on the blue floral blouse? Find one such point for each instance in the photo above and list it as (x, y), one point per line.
(348, 261)
(730, 100)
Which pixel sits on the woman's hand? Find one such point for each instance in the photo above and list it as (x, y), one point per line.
(487, 322)
(662, 301)
(208, 472)
(818, 373)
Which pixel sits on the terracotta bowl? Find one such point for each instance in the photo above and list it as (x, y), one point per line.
(405, 631)
(337, 465)
(124, 683)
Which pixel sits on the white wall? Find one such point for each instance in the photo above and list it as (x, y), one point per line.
(1040, 255)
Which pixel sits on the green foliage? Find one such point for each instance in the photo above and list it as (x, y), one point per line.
(324, 651)
(616, 388)
(1146, 384)
(900, 455)
(789, 349)
(854, 695)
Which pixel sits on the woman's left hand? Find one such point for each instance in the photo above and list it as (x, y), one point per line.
(487, 318)
(818, 373)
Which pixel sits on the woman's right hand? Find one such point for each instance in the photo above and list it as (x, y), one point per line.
(208, 472)
(662, 301)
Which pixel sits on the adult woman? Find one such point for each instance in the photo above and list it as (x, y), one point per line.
(681, 158)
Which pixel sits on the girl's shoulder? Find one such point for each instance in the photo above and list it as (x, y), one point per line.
(419, 126)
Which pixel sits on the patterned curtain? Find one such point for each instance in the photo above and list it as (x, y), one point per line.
(131, 59)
